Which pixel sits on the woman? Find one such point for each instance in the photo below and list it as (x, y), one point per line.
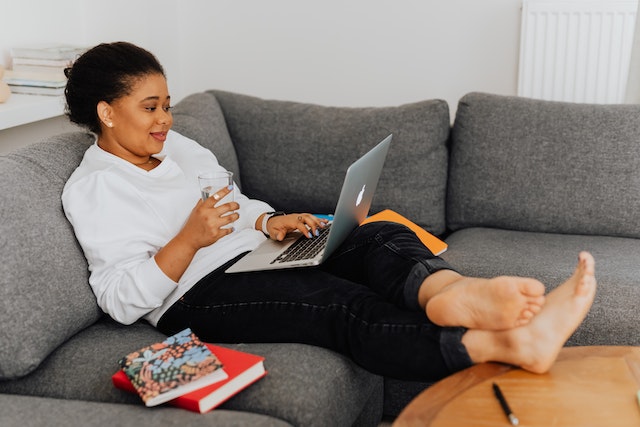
(157, 251)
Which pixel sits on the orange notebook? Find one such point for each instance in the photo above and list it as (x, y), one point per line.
(242, 368)
(434, 244)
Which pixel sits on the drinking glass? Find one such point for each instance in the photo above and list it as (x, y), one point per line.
(211, 182)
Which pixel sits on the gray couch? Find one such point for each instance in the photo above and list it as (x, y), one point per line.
(515, 186)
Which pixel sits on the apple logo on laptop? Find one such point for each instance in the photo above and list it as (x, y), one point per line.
(360, 195)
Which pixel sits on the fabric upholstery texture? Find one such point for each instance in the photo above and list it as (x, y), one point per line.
(294, 155)
(31, 411)
(554, 167)
(44, 293)
(198, 116)
(305, 385)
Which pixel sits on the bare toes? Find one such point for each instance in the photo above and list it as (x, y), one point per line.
(532, 288)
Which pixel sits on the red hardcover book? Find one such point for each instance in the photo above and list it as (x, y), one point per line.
(242, 368)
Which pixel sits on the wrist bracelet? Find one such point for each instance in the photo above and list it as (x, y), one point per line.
(266, 218)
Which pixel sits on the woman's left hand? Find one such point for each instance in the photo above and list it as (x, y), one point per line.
(307, 224)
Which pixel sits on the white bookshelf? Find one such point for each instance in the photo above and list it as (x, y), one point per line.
(22, 109)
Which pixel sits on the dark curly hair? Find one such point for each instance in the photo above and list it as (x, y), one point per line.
(104, 73)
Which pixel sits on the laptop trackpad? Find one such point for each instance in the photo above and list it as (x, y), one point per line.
(272, 247)
(260, 258)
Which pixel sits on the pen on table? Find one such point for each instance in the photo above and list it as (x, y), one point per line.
(505, 406)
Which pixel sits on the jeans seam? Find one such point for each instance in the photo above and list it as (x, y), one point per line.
(381, 242)
(355, 246)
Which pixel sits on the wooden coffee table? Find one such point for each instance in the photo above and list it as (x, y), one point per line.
(587, 386)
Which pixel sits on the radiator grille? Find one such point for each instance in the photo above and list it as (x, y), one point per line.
(576, 50)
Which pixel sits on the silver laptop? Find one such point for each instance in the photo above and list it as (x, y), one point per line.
(352, 208)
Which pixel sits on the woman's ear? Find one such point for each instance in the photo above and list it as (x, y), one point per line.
(104, 113)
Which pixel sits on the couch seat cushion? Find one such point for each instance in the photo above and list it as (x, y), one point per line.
(551, 258)
(305, 385)
(27, 411)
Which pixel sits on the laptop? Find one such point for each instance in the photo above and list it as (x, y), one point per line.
(353, 205)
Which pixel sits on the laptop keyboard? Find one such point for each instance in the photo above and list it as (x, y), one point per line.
(304, 248)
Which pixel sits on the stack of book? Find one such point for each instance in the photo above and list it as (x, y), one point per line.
(187, 372)
(39, 70)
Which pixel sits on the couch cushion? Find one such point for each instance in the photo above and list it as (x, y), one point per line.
(30, 411)
(551, 258)
(305, 385)
(294, 155)
(198, 116)
(532, 165)
(45, 297)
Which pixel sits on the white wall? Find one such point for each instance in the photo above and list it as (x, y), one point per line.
(632, 95)
(39, 21)
(335, 52)
(358, 52)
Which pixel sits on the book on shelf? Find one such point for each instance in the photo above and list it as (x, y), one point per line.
(435, 245)
(37, 90)
(36, 83)
(39, 83)
(51, 78)
(243, 369)
(41, 68)
(178, 365)
(48, 51)
(40, 65)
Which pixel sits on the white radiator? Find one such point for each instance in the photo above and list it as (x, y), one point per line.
(576, 50)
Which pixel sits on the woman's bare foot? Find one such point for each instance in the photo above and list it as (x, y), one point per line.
(500, 303)
(535, 346)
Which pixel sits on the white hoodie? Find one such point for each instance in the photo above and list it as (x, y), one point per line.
(123, 215)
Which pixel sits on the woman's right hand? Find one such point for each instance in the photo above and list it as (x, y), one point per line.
(205, 226)
(209, 222)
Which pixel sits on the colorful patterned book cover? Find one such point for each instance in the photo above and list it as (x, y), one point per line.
(180, 364)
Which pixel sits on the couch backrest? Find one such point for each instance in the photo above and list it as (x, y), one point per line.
(545, 166)
(45, 297)
(198, 116)
(294, 155)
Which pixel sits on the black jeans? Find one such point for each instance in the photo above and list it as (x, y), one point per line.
(362, 302)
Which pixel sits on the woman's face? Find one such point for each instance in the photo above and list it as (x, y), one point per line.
(136, 125)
